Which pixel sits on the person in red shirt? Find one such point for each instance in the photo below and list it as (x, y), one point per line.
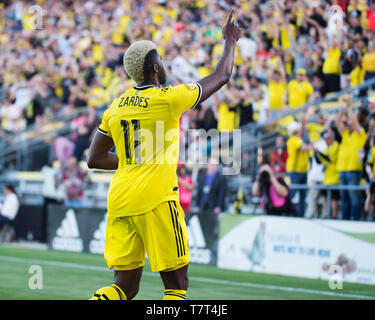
(278, 156)
(343, 4)
(74, 181)
(185, 187)
(371, 16)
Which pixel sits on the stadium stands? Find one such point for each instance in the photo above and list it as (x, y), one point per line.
(57, 81)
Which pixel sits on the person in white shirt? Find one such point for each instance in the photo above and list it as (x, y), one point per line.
(248, 47)
(9, 208)
(315, 176)
(11, 116)
(181, 68)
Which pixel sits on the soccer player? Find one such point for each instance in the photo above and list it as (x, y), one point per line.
(144, 214)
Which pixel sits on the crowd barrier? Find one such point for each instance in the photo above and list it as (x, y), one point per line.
(329, 189)
(311, 248)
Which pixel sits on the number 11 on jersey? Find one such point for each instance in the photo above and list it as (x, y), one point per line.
(136, 150)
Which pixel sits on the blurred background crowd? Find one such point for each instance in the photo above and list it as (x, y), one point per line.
(290, 53)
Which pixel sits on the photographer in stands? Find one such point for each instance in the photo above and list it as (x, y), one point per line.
(274, 193)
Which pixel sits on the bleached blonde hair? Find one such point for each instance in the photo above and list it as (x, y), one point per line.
(134, 59)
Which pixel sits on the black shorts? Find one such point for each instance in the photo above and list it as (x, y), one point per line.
(335, 194)
(332, 82)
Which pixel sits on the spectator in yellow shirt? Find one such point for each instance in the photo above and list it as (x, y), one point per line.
(370, 194)
(299, 90)
(226, 113)
(350, 159)
(368, 61)
(370, 166)
(331, 176)
(297, 163)
(331, 66)
(277, 92)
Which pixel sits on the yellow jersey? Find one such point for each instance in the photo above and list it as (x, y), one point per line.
(315, 130)
(276, 91)
(228, 120)
(371, 159)
(357, 76)
(299, 93)
(298, 160)
(368, 62)
(331, 175)
(331, 64)
(351, 147)
(144, 125)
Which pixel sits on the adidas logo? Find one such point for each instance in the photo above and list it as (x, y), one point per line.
(67, 235)
(195, 232)
(197, 243)
(97, 244)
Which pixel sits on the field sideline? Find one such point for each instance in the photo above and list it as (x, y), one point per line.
(75, 276)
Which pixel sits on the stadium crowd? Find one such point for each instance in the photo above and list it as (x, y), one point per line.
(290, 52)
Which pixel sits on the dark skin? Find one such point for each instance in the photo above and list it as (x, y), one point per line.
(100, 157)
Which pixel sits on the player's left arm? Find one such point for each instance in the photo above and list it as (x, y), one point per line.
(189, 95)
(352, 116)
(99, 155)
(222, 73)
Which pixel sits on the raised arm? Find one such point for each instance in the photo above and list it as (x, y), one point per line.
(221, 75)
(306, 116)
(331, 118)
(340, 117)
(352, 117)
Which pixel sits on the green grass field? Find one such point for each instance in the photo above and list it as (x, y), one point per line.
(76, 276)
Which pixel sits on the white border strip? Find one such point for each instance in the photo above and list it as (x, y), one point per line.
(193, 278)
(199, 95)
(102, 131)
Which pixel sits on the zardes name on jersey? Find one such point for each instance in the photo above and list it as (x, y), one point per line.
(144, 125)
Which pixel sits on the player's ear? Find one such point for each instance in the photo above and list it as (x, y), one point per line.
(155, 68)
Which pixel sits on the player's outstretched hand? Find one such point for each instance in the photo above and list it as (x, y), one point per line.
(231, 30)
